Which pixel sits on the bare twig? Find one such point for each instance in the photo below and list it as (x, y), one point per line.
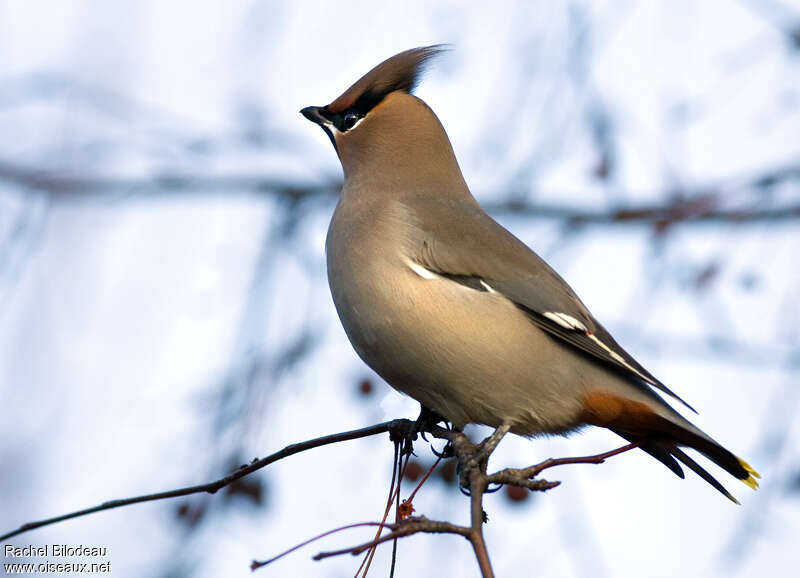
(474, 462)
(213, 487)
(407, 527)
(256, 564)
(396, 476)
(522, 477)
(402, 462)
(477, 486)
(423, 480)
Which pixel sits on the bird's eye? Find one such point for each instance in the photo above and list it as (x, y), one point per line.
(349, 120)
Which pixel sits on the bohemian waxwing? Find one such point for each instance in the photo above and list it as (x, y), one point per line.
(453, 310)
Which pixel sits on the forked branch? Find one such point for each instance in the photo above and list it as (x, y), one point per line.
(474, 480)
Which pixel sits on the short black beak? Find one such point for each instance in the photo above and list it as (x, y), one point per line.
(312, 113)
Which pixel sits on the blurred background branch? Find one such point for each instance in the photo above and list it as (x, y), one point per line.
(688, 205)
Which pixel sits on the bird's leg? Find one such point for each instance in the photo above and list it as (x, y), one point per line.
(476, 457)
(487, 446)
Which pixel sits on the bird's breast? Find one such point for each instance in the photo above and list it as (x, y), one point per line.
(462, 352)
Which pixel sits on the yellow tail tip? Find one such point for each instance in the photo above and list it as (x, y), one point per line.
(751, 479)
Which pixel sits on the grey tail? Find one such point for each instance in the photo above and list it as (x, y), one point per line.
(668, 452)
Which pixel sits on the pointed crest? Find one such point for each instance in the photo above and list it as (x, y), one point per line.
(400, 72)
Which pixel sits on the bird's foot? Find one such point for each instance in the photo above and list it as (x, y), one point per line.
(428, 419)
(405, 432)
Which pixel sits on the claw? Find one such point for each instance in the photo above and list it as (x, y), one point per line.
(427, 418)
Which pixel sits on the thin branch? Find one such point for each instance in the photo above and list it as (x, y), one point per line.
(407, 527)
(396, 463)
(477, 488)
(473, 460)
(213, 487)
(423, 480)
(400, 474)
(668, 213)
(256, 564)
(522, 477)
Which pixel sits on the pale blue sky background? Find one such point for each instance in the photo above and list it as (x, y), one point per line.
(147, 331)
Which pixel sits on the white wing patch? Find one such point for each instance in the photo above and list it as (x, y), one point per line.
(428, 274)
(568, 322)
(617, 357)
(611, 352)
(420, 270)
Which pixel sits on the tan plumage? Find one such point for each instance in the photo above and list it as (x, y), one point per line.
(453, 310)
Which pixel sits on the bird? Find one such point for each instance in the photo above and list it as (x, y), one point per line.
(452, 309)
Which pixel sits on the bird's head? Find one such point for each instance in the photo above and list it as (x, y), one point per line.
(382, 132)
